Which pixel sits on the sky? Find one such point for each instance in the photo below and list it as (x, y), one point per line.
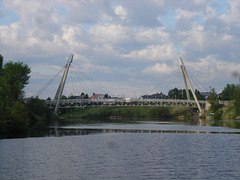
(126, 47)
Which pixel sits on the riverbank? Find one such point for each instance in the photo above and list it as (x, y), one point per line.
(136, 112)
(225, 116)
(144, 113)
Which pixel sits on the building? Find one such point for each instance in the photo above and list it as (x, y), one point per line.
(205, 95)
(97, 96)
(154, 96)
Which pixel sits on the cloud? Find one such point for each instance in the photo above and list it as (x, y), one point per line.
(149, 35)
(211, 68)
(185, 14)
(121, 12)
(232, 14)
(144, 13)
(159, 68)
(123, 40)
(110, 33)
(92, 11)
(153, 53)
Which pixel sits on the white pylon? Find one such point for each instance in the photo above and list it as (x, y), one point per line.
(62, 83)
(185, 77)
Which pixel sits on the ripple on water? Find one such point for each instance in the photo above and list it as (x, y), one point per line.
(122, 156)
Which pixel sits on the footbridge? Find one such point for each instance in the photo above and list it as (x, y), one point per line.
(83, 103)
(58, 103)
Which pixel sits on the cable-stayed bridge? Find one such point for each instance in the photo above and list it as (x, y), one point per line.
(57, 103)
(82, 103)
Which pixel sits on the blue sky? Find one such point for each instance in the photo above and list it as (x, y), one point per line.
(125, 46)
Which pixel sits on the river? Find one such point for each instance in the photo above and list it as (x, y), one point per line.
(163, 151)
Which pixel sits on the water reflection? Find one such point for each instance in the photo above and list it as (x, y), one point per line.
(114, 150)
(122, 156)
(96, 126)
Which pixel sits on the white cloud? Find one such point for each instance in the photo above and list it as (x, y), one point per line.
(91, 11)
(153, 53)
(185, 14)
(213, 69)
(121, 12)
(72, 35)
(196, 37)
(153, 35)
(210, 13)
(122, 38)
(110, 33)
(159, 68)
(233, 13)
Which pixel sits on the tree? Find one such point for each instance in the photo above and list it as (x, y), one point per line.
(175, 94)
(19, 124)
(214, 101)
(86, 96)
(181, 94)
(198, 94)
(15, 78)
(13, 115)
(228, 92)
(236, 102)
(39, 113)
(1, 61)
(64, 97)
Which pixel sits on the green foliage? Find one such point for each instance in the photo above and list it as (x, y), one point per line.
(228, 92)
(20, 121)
(86, 96)
(15, 77)
(16, 117)
(218, 114)
(214, 101)
(1, 61)
(198, 94)
(40, 114)
(236, 102)
(177, 93)
(159, 112)
(64, 97)
(181, 94)
(130, 112)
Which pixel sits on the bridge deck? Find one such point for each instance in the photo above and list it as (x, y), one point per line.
(81, 103)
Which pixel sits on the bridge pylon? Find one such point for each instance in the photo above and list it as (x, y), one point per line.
(187, 82)
(58, 94)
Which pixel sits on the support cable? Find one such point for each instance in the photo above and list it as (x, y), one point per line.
(82, 83)
(48, 83)
(92, 81)
(159, 83)
(196, 81)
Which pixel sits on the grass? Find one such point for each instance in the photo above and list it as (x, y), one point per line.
(137, 112)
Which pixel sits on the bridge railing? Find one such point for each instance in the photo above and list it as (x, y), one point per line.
(72, 103)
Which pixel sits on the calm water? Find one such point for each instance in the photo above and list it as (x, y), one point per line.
(125, 155)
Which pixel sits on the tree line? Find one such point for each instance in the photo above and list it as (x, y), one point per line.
(17, 117)
(176, 93)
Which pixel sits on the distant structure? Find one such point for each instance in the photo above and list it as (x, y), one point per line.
(97, 96)
(205, 94)
(154, 96)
